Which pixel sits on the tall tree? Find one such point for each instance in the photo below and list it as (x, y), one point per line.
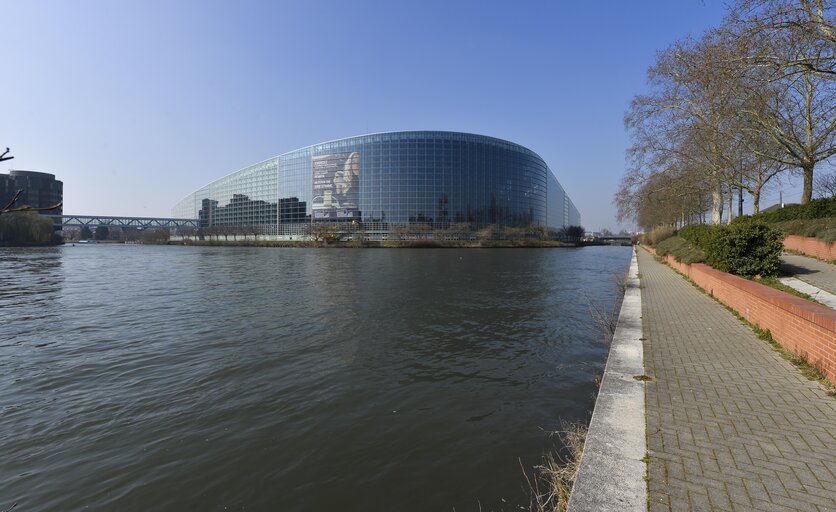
(684, 120)
(800, 118)
(791, 67)
(808, 22)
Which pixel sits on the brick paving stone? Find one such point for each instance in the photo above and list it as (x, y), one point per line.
(810, 270)
(730, 424)
(719, 499)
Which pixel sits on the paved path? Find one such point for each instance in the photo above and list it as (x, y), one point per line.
(825, 297)
(730, 424)
(810, 270)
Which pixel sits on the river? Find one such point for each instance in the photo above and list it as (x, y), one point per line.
(200, 378)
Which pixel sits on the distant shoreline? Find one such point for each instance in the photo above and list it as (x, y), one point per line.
(389, 244)
(31, 244)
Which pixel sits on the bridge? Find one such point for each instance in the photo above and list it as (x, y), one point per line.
(122, 222)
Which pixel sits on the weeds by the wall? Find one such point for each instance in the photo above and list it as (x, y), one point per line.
(551, 484)
(800, 361)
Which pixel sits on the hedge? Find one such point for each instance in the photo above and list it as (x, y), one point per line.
(816, 209)
(745, 248)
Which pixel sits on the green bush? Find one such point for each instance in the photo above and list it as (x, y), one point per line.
(823, 229)
(681, 249)
(746, 249)
(699, 235)
(743, 219)
(816, 209)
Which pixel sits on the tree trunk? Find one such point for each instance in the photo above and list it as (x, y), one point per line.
(717, 204)
(756, 201)
(807, 195)
(731, 204)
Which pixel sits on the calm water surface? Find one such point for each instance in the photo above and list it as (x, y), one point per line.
(197, 378)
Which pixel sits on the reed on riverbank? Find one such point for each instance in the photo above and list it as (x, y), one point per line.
(551, 485)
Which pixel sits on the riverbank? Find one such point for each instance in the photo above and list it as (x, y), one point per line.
(385, 244)
(31, 244)
(612, 469)
(727, 420)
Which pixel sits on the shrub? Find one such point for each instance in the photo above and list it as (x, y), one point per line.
(698, 234)
(816, 209)
(681, 249)
(746, 249)
(658, 234)
(823, 229)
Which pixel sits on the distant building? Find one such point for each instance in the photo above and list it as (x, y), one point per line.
(40, 189)
(389, 181)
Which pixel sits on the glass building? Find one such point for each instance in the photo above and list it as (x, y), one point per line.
(413, 181)
(40, 189)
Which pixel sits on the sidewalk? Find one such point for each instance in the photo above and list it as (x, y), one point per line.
(730, 424)
(810, 270)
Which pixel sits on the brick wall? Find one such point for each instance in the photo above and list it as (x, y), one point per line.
(811, 247)
(800, 326)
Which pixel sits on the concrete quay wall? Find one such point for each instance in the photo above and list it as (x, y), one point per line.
(612, 468)
(802, 327)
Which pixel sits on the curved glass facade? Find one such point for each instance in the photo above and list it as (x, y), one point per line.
(425, 180)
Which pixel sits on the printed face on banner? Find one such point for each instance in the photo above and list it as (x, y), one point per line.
(336, 186)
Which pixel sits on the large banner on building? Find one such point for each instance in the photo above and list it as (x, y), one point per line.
(336, 186)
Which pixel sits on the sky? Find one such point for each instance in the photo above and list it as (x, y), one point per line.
(135, 104)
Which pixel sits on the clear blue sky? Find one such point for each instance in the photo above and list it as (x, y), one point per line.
(134, 104)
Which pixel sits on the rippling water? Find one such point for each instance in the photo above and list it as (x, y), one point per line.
(170, 378)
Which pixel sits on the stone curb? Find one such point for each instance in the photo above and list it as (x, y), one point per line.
(612, 469)
(826, 298)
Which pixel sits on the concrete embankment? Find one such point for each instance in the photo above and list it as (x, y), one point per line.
(612, 469)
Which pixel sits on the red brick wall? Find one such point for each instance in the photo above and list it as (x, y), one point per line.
(811, 247)
(801, 326)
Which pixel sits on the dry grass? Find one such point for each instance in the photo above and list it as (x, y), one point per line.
(551, 484)
(605, 321)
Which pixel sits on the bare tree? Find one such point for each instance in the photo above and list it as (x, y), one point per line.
(759, 173)
(826, 185)
(774, 22)
(798, 114)
(790, 68)
(732, 111)
(685, 120)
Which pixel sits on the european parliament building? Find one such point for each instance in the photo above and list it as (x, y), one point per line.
(415, 180)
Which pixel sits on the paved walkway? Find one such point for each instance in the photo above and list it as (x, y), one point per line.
(730, 424)
(810, 270)
(822, 296)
